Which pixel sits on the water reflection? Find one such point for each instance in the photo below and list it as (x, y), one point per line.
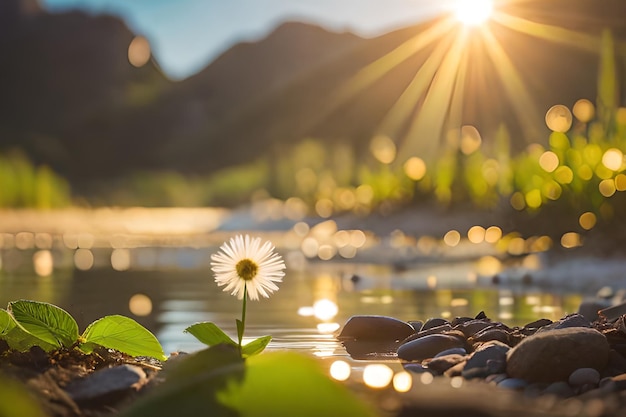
(167, 289)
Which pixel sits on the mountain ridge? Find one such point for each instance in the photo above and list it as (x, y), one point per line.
(92, 116)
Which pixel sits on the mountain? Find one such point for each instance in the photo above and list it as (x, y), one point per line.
(70, 99)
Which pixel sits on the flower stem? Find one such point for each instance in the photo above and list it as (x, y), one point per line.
(243, 315)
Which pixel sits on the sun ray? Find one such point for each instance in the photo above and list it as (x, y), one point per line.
(425, 132)
(519, 98)
(383, 65)
(415, 91)
(548, 32)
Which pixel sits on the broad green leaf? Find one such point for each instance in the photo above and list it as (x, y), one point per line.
(191, 384)
(255, 347)
(123, 334)
(209, 334)
(286, 384)
(45, 321)
(16, 337)
(7, 323)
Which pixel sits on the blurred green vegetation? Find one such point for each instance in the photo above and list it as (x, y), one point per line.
(581, 167)
(26, 185)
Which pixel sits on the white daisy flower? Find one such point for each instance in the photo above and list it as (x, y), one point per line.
(243, 264)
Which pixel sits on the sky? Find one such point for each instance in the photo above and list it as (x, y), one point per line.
(186, 35)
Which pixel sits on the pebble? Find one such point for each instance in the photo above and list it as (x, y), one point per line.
(570, 357)
(417, 368)
(105, 382)
(478, 364)
(428, 346)
(375, 327)
(571, 320)
(440, 364)
(560, 389)
(469, 328)
(416, 324)
(434, 322)
(453, 351)
(553, 355)
(512, 383)
(582, 376)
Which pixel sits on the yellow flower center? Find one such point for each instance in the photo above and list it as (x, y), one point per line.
(247, 269)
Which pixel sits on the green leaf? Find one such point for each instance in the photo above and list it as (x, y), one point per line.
(209, 334)
(288, 383)
(123, 334)
(45, 321)
(16, 337)
(191, 385)
(255, 347)
(7, 323)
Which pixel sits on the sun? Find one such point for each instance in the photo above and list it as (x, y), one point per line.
(473, 12)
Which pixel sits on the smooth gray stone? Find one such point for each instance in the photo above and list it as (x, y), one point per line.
(441, 364)
(106, 381)
(572, 320)
(453, 351)
(583, 376)
(513, 383)
(428, 346)
(375, 328)
(417, 324)
(589, 308)
(613, 313)
(416, 368)
(553, 355)
(471, 327)
(434, 322)
(560, 389)
(478, 363)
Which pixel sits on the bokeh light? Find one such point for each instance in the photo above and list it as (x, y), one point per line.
(377, 375)
(140, 305)
(120, 259)
(559, 118)
(613, 159)
(476, 234)
(25, 240)
(383, 149)
(43, 263)
(584, 110)
(533, 198)
(340, 370)
(518, 201)
(607, 187)
(83, 259)
(415, 168)
(549, 161)
(452, 238)
(564, 175)
(139, 51)
(470, 138)
(402, 381)
(493, 234)
(325, 309)
(620, 182)
(570, 240)
(587, 220)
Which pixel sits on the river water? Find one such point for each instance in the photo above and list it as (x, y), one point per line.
(172, 288)
(154, 266)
